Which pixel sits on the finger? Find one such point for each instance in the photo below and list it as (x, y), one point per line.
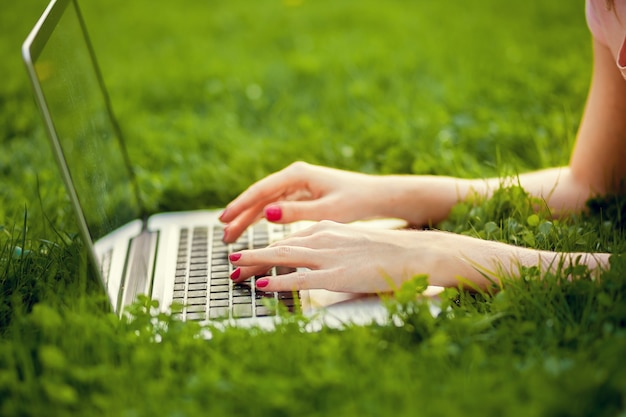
(291, 211)
(302, 279)
(242, 273)
(265, 191)
(273, 213)
(242, 203)
(234, 229)
(279, 255)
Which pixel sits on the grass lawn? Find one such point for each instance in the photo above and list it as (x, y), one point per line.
(214, 95)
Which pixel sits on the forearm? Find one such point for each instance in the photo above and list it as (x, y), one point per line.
(457, 258)
(596, 166)
(428, 199)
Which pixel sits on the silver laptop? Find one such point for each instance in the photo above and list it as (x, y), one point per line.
(171, 257)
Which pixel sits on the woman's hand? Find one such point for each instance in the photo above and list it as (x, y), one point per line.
(303, 192)
(349, 258)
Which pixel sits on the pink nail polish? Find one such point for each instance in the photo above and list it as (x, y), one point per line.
(234, 257)
(273, 213)
(235, 274)
(262, 282)
(221, 216)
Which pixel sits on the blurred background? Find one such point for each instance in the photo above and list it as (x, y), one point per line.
(213, 95)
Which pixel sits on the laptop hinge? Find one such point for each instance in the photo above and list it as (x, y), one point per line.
(139, 268)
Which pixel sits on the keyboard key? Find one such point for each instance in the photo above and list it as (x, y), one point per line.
(198, 280)
(199, 308)
(260, 294)
(282, 270)
(242, 300)
(263, 311)
(219, 303)
(242, 310)
(285, 295)
(218, 312)
(197, 287)
(199, 266)
(219, 288)
(219, 281)
(241, 290)
(196, 294)
(219, 268)
(200, 273)
(219, 296)
(196, 316)
(197, 301)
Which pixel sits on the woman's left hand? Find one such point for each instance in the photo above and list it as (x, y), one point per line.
(340, 257)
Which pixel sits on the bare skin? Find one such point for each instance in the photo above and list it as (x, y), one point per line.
(341, 257)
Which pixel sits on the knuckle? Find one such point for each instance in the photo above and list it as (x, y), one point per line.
(325, 235)
(324, 224)
(283, 251)
(298, 166)
(300, 279)
(256, 189)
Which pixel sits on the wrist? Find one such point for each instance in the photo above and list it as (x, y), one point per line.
(420, 200)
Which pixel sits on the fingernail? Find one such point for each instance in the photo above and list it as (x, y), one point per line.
(221, 216)
(273, 213)
(235, 274)
(262, 283)
(225, 234)
(234, 257)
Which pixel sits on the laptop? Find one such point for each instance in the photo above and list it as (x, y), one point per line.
(175, 257)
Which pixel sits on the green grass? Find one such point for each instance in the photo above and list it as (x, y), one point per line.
(202, 88)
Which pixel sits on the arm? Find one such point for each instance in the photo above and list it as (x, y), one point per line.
(306, 192)
(344, 258)
(597, 165)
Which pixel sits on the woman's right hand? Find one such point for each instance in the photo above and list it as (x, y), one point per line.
(304, 192)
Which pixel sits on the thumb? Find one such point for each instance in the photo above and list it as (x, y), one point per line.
(291, 211)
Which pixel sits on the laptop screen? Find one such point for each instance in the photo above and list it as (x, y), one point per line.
(84, 135)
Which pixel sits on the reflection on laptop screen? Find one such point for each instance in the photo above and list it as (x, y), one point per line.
(89, 145)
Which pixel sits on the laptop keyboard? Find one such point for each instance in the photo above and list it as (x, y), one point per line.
(202, 282)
